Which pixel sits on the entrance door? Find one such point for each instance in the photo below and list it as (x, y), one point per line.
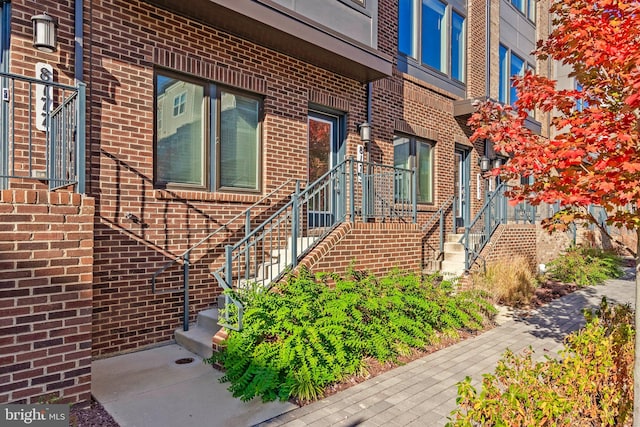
(462, 172)
(324, 155)
(5, 9)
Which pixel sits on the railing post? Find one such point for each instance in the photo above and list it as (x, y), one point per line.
(453, 214)
(441, 230)
(414, 195)
(465, 239)
(352, 203)
(185, 271)
(247, 255)
(81, 137)
(228, 277)
(295, 219)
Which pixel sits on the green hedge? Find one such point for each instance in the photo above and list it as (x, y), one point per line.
(305, 335)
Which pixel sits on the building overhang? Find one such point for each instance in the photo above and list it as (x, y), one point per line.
(276, 27)
(464, 108)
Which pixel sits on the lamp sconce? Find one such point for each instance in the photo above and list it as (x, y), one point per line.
(485, 164)
(365, 132)
(44, 33)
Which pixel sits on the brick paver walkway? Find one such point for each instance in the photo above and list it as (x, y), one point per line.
(422, 393)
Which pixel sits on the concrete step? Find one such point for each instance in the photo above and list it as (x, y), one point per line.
(452, 267)
(453, 247)
(453, 237)
(198, 338)
(454, 257)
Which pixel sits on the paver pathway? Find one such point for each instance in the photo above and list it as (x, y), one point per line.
(422, 393)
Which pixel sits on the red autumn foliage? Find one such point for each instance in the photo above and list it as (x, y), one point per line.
(592, 155)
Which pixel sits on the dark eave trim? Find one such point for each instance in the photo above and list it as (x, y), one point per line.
(282, 30)
(466, 107)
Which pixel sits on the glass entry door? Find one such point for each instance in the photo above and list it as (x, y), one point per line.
(324, 146)
(462, 191)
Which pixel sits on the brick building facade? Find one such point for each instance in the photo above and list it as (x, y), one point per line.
(149, 210)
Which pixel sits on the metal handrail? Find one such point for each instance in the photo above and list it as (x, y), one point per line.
(439, 216)
(271, 249)
(186, 254)
(60, 142)
(483, 224)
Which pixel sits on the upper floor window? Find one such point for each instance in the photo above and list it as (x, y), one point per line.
(510, 65)
(433, 33)
(210, 137)
(410, 152)
(527, 7)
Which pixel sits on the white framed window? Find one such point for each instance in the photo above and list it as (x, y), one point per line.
(211, 137)
(179, 104)
(433, 32)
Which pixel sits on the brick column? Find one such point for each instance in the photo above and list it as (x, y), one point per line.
(46, 264)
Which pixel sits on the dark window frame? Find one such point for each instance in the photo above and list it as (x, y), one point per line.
(211, 134)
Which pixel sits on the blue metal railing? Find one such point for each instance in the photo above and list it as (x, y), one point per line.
(478, 233)
(185, 257)
(439, 217)
(49, 148)
(352, 189)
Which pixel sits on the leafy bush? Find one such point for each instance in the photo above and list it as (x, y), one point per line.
(510, 282)
(591, 384)
(585, 266)
(306, 335)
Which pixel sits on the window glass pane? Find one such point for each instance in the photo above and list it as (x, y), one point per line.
(407, 19)
(503, 89)
(423, 154)
(239, 141)
(532, 10)
(433, 34)
(517, 69)
(180, 148)
(402, 159)
(519, 4)
(457, 47)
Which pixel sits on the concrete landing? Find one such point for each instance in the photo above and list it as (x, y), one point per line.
(148, 388)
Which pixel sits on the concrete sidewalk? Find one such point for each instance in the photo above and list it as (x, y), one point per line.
(148, 388)
(422, 393)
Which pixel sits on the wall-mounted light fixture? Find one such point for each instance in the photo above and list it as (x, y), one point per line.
(365, 132)
(485, 164)
(44, 33)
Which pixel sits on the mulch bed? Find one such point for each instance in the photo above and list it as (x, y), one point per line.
(93, 415)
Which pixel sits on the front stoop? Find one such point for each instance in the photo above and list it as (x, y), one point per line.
(198, 338)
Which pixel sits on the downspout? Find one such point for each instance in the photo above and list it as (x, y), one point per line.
(369, 117)
(487, 88)
(79, 41)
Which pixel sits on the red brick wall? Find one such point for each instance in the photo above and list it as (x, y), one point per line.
(511, 240)
(375, 248)
(46, 257)
(126, 40)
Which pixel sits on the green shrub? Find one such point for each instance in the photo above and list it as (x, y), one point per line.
(590, 384)
(510, 282)
(585, 266)
(306, 335)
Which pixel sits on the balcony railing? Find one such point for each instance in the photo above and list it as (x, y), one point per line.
(42, 132)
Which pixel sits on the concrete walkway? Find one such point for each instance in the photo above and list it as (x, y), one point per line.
(148, 388)
(422, 393)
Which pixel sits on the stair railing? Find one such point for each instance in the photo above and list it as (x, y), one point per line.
(184, 258)
(439, 216)
(478, 233)
(274, 247)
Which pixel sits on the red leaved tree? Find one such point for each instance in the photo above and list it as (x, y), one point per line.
(592, 155)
